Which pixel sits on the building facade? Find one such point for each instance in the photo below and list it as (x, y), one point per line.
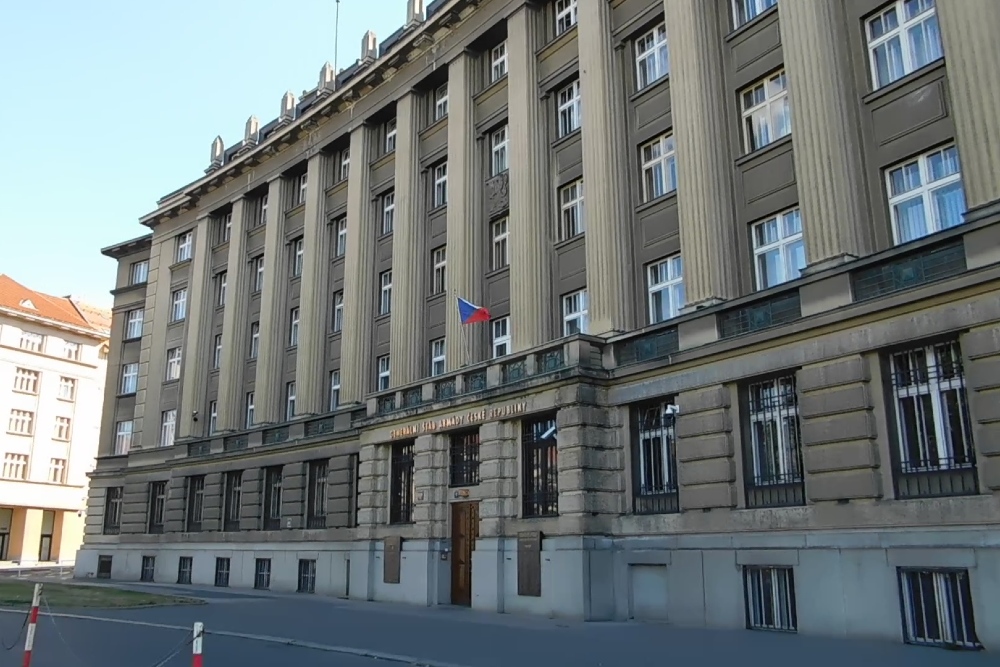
(741, 261)
(53, 363)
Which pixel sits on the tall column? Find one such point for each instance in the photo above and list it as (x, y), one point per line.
(201, 302)
(530, 220)
(409, 258)
(608, 230)
(828, 162)
(314, 299)
(359, 281)
(972, 52)
(235, 334)
(465, 211)
(704, 188)
(268, 388)
(152, 349)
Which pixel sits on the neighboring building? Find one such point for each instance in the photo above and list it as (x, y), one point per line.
(796, 427)
(53, 362)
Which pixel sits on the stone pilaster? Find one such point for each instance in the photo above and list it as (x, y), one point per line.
(530, 221)
(293, 495)
(828, 161)
(152, 350)
(591, 465)
(314, 299)
(409, 259)
(981, 349)
(971, 49)
(212, 514)
(250, 499)
(609, 236)
(135, 496)
(269, 390)
(706, 470)
(235, 325)
(704, 189)
(201, 301)
(359, 280)
(173, 511)
(430, 482)
(465, 223)
(373, 489)
(498, 475)
(340, 491)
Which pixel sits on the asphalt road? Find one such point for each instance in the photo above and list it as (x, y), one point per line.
(339, 630)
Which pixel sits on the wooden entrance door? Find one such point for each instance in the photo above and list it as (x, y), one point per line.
(464, 531)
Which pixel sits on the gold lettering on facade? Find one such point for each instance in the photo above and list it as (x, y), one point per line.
(456, 421)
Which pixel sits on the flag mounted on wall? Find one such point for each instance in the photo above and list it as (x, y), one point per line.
(471, 313)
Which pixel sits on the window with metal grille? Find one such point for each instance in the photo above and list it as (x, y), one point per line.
(262, 574)
(316, 500)
(113, 510)
(185, 564)
(157, 505)
(464, 454)
(401, 488)
(770, 598)
(307, 576)
(232, 500)
(195, 502)
(148, 571)
(655, 459)
(354, 492)
(937, 608)
(104, 564)
(271, 509)
(540, 468)
(222, 572)
(934, 453)
(773, 456)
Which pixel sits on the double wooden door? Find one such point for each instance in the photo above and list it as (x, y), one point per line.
(464, 532)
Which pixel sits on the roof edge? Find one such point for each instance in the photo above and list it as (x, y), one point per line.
(119, 250)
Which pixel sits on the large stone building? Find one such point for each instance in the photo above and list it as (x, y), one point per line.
(795, 428)
(53, 362)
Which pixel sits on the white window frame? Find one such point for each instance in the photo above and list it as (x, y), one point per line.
(185, 247)
(770, 597)
(385, 292)
(340, 249)
(382, 367)
(956, 625)
(213, 417)
(123, 437)
(501, 339)
(440, 185)
(262, 210)
(571, 212)
(250, 412)
(440, 102)
(129, 382)
(439, 268)
(659, 167)
(745, 11)
(226, 228)
(498, 151)
(338, 311)
(925, 190)
(759, 102)
(293, 328)
(57, 471)
(500, 244)
(652, 57)
(566, 15)
(254, 340)
(302, 188)
(67, 389)
(178, 305)
(388, 212)
(139, 272)
(26, 381)
(334, 389)
(574, 312)
(345, 164)
(258, 280)
(22, 422)
(62, 430)
(168, 427)
(217, 353)
(15, 466)
(788, 225)
(173, 370)
(289, 400)
(72, 350)
(498, 62)
(298, 256)
(31, 341)
(133, 323)
(569, 109)
(774, 444)
(390, 137)
(925, 22)
(221, 279)
(665, 288)
(438, 357)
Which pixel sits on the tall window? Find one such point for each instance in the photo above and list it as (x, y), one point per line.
(173, 364)
(138, 272)
(213, 417)
(271, 508)
(499, 257)
(902, 38)
(316, 495)
(345, 164)
(250, 413)
(262, 574)
(770, 598)
(32, 342)
(388, 212)
(766, 114)
(258, 275)
(112, 510)
(652, 61)
(225, 227)
(195, 501)
(498, 62)
(569, 108)
(937, 608)
(441, 185)
(298, 256)
(293, 327)
(565, 15)
(659, 168)
(441, 102)
(168, 425)
(123, 437)
(463, 451)
(157, 505)
(540, 468)
(382, 365)
(500, 329)
(385, 292)
(232, 500)
(779, 254)
(655, 459)
(665, 288)
(302, 188)
(178, 309)
(925, 194)
(22, 422)
(133, 324)
(338, 311)
(437, 357)
(130, 379)
(217, 352)
(261, 218)
(439, 264)
(62, 429)
(571, 221)
(254, 339)
(220, 289)
(340, 248)
(334, 389)
(498, 151)
(574, 311)
(401, 489)
(67, 389)
(289, 400)
(745, 11)
(390, 136)
(26, 381)
(185, 243)
(307, 575)
(774, 460)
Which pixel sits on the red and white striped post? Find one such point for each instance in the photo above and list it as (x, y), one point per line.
(29, 641)
(199, 630)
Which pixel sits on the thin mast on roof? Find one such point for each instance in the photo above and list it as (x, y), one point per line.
(336, 38)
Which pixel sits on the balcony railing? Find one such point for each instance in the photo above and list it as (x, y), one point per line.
(924, 266)
(274, 436)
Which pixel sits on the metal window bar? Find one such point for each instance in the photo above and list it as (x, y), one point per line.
(777, 310)
(307, 576)
(658, 345)
(656, 461)
(540, 472)
(233, 501)
(195, 503)
(464, 454)
(272, 499)
(262, 574)
(148, 568)
(157, 506)
(774, 463)
(113, 511)
(904, 273)
(770, 598)
(354, 494)
(401, 483)
(316, 516)
(184, 566)
(222, 572)
(937, 608)
(935, 454)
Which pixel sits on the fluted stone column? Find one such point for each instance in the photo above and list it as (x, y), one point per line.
(972, 54)
(314, 299)
(152, 349)
(704, 167)
(359, 280)
(828, 162)
(465, 223)
(268, 388)
(195, 357)
(530, 219)
(235, 329)
(608, 232)
(409, 260)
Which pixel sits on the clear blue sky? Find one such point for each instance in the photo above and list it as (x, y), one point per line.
(107, 106)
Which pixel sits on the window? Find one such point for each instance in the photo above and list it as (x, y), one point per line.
(925, 195)
(225, 228)
(123, 437)
(383, 373)
(157, 506)
(770, 598)
(571, 222)
(217, 352)
(659, 168)
(574, 308)
(262, 574)
(652, 60)
(213, 417)
(498, 152)
(307, 576)
(26, 381)
(178, 309)
(345, 164)
(173, 364)
(540, 468)
(388, 212)
(340, 249)
(316, 495)
(338, 311)
(222, 566)
(334, 389)
(499, 257)
(62, 430)
(148, 572)
(15, 466)
(441, 185)
(249, 422)
(778, 252)
(112, 509)
(22, 422)
(298, 257)
(385, 292)
(232, 500)
(498, 62)
(258, 279)
(138, 273)
(934, 447)
(665, 288)
(254, 339)
(185, 564)
(390, 136)
(133, 324)
(937, 608)
(293, 328)
(439, 262)
(401, 489)
(441, 102)
(262, 210)
(745, 11)
(569, 109)
(185, 243)
(71, 350)
(902, 38)
(463, 450)
(220, 289)
(437, 357)
(501, 337)
(32, 342)
(302, 187)
(766, 114)
(565, 15)
(289, 400)
(130, 379)
(194, 503)
(774, 461)
(655, 459)
(271, 508)
(168, 424)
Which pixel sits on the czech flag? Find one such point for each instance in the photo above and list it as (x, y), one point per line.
(471, 313)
